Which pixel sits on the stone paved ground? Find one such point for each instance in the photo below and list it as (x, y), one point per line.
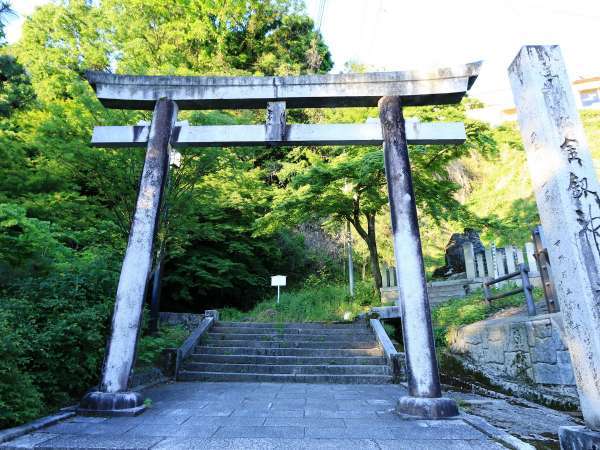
(262, 416)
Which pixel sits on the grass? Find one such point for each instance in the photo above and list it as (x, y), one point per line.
(320, 302)
(150, 347)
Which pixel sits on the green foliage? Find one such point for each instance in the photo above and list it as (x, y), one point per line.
(342, 185)
(315, 302)
(151, 346)
(53, 321)
(65, 208)
(15, 87)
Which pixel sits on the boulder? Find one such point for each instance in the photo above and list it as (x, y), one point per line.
(455, 259)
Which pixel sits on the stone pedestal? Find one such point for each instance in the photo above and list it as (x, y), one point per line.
(578, 438)
(430, 408)
(568, 200)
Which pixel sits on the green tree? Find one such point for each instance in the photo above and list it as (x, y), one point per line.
(348, 184)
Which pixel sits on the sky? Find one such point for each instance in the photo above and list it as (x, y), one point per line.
(408, 34)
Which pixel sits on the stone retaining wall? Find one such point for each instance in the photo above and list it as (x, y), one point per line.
(188, 320)
(519, 350)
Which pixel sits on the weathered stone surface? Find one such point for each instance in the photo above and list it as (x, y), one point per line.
(563, 357)
(547, 373)
(187, 320)
(566, 374)
(138, 256)
(421, 363)
(543, 351)
(294, 134)
(578, 438)
(496, 334)
(517, 338)
(542, 328)
(475, 336)
(447, 85)
(568, 198)
(495, 352)
(507, 349)
(454, 256)
(516, 365)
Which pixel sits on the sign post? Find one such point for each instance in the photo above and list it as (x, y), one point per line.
(278, 280)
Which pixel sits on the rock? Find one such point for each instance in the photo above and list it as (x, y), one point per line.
(455, 259)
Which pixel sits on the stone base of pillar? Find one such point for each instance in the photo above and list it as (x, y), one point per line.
(111, 404)
(427, 408)
(578, 438)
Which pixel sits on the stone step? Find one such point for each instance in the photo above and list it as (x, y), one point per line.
(282, 360)
(293, 331)
(447, 292)
(307, 325)
(288, 369)
(288, 344)
(288, 352)
(266, 337)
(185, 375)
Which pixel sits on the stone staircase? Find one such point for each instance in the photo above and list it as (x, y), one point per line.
(292, 352)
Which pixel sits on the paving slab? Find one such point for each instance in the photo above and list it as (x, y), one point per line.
(196, 415)
(29, 440)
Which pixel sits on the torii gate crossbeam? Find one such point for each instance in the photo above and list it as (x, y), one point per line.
(166, 95)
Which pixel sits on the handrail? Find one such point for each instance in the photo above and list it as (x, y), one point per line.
(543, 262)
(526, 288)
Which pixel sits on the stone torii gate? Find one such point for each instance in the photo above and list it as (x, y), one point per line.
(166, 95)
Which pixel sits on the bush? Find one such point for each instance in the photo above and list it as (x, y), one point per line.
(150, 347)
(55, 305)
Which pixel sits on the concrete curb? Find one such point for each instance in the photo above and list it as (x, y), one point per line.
(190, 343)
(395, 359)
(13, 433)
(494, 433)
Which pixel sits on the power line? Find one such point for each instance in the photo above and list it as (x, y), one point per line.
(321, 13)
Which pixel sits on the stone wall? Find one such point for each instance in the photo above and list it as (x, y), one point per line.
(521, 351)
(188, 320)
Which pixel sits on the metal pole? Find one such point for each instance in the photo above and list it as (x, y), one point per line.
(527, 288)
(486, 289)
(350, 263)
(278, 295)
(424, 388)
(112, 397)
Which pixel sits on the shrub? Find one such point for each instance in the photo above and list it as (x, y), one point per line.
(150, 347)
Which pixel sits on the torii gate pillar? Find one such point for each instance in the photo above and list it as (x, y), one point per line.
(424, 391)
(113, 398)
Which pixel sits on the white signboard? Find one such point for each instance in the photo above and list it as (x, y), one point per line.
(278, 280)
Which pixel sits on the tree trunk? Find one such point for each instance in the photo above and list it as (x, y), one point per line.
(374, 255)
(369, 237)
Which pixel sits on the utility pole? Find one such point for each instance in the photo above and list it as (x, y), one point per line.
(350, 263)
